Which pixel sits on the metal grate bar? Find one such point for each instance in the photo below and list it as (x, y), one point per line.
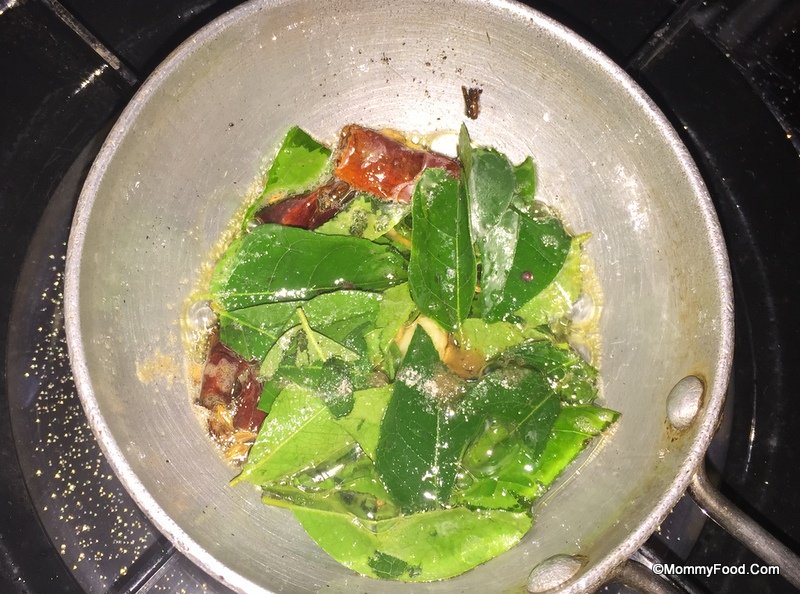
(125, 72)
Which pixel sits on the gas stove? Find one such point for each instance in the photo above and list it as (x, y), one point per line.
(727, 75)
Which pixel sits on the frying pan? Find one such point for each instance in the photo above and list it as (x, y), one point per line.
(199, 133)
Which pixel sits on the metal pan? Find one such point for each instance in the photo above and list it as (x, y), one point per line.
(199, 133)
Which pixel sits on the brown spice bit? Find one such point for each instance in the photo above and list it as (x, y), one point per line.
(230, 390)
(472, 101)
(220, 376)
(465, 363)
(310, 209)
(219, 422)
(248, 416)
(159, 366)
(240, 444)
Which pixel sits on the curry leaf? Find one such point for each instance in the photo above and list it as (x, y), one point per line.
(366, 217)
(347, 485)
(497, 248)
(520, 252)
(442, 270)
(299, 164)
(252, 331)
(337, 315)
(541, 250)
(395, 310)
(269, 393)
(492, 338)
(423, 434)
(277, 352)
(498, 472)
(389, 567)
(299, 433)
(490, 182)
(501, 472)
(363, 422)
(525, 190)
(320, 347)
(571, 378)
(307, 359)
(335, 387)
(556, 300)
(274, 263)
(521, 401)
(573, 428)
(518, 398)
(421, 547)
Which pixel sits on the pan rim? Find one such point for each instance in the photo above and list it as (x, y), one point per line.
(600, 570)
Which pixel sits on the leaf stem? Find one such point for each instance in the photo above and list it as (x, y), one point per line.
(310, 334)
(398, 238)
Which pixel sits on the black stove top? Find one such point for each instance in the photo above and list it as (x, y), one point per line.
(726, 73)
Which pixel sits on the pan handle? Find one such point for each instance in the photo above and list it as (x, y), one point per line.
(641, 579)
(743, 528)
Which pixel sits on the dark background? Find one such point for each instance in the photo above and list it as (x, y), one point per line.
(725, 72)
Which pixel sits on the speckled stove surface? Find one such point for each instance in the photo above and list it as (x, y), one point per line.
(103, 538)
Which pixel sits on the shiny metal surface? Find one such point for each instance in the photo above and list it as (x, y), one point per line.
(553, 572)
(201, 130)
(684, 402)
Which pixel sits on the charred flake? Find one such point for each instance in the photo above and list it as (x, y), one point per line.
(472, 101)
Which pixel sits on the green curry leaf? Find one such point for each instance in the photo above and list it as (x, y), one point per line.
(501, 472)
(525, 190)
(307, 359)
(498, 249)
(389, 567)
(274, 263)
(363, 422)
(299, 164)
(541, 249)
(571, 378)
(572, 430)
(442, 270)
(252, 331)
(422, 435)
(520, 400)
(395, 310)
(490, 182)
(347, 485)
(554, 303)
(498, 472)
(421, 547)
(366, 217)
(299, 433)
(492, 338)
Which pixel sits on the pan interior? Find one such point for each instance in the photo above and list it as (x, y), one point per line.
(201, 131)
